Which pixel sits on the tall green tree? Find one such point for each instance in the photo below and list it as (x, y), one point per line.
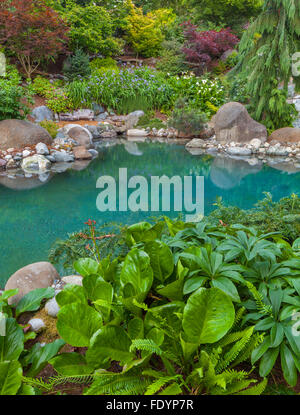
(266, 55)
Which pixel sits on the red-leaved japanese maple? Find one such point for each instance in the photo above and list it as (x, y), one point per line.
(204, 48)
(33, 31)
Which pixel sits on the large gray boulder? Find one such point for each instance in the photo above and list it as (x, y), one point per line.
(79, 134)
(42, 113)
(19, 134)
(286, 135)
(233, 123)
(31, 277)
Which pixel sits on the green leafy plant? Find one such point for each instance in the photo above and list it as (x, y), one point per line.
(50, 126)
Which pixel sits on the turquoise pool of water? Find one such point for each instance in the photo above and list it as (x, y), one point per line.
(34, 213)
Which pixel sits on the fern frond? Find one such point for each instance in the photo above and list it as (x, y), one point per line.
(261, 306)
(109, 383)
(238, 318)
(58, 380)
(255, 390)
(160, 383)
(147, 345)
(235, 350)
(255, 341)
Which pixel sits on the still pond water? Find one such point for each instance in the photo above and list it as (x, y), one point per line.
(34, 213)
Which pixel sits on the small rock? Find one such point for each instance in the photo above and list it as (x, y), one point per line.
(137, 133)
(2, 163)
(42, 149)
(81, 153)
(239, 151)
(36, 324)
(256, 143)
(52, 308)
(72, 279)
(93, 152)
(51, 159)
(8, 157)
(26, 153)
(62, 157)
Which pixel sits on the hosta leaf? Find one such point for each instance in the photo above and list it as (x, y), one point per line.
(86, 266)
(161, 259)
(71, 364)
(10, 377)
(12, 344)
(109, 343)
(207, 316)
(77, 323)
(32, 300)
(268, 361)
(288, 365)
(71, 294)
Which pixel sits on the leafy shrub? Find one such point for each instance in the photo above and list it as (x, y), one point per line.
(204, 48)
(143, 34)
(59, 101)
(41, 86)
(224, 12)
(268, 216)
(202, 93)
(11, 105)
(50, 126)
(103, 63)
(91, 29)
(77, 65)
(186, 120)
(33, 31)
(171, 58)
(13, 97)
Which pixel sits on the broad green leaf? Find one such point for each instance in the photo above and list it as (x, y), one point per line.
(161, 259)
(26, 390)
(10, 377)
(41, 356)
(174, 290)
(277, 335)
(71, 364)
(260, 350)
(136, 328)
(77, 323)
(12, 344)
(137, 272)
(32, 300)
(91, 286)
(103, 294)
(268, 361)
(192, 284)
(7, 294)
(86, 266)
(109, 343)
(71, 293)
(207, 316)
(288, 365)
(227, 287)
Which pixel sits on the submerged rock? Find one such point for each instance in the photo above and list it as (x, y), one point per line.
(36, 163)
